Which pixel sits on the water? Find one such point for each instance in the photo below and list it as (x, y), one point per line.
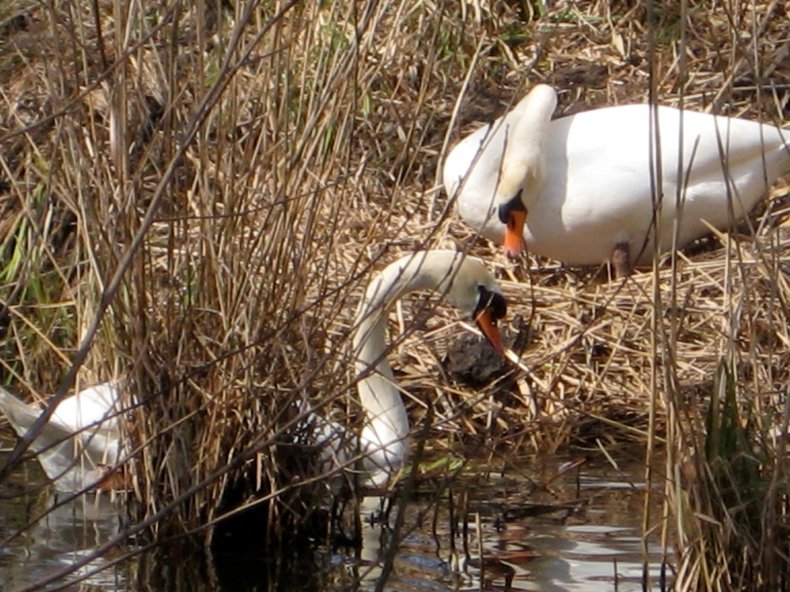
(581, 531)
(41, 535)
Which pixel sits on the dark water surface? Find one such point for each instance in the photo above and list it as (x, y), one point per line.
(539, 528)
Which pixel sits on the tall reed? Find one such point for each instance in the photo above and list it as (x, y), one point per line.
(208, 186)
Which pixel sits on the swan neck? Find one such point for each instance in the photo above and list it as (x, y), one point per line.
(378, 393)
(393, 283)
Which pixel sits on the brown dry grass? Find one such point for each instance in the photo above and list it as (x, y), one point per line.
(194, 196)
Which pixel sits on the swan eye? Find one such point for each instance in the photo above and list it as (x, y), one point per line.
(507, 209)
(491, 301)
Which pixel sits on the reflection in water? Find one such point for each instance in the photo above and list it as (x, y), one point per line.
(41, 539)
(581, 533)
(573, 535)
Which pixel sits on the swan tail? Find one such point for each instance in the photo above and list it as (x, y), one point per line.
(20, 415)
(71, 462)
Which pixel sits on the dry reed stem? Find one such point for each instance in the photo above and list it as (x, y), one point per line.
(314, 162)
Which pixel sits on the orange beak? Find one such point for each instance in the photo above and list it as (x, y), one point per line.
(514, 231)
(488, 326)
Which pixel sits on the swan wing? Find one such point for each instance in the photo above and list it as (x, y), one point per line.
(71, 461)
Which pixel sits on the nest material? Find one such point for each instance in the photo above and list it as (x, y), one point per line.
(313, 161)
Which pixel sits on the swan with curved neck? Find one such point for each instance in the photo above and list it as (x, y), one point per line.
(80, 444)
(466, 284)
(579, 189)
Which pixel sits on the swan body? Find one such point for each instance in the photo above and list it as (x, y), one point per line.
(465, 283)
(80, 441)
(583, 182)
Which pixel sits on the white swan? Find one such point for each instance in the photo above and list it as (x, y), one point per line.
(80, 443)
(465, 283)
(580, 186)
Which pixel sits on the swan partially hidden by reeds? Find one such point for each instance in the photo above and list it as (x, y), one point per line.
(80, 444)
(466, 284)
(579, 189)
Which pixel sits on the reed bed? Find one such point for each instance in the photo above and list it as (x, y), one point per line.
(194, 196)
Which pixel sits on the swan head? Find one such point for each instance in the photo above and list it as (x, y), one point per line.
(521, 179)
(474, 291)
(523, 167)
(512, 213)
(491, 307)
(463, 281)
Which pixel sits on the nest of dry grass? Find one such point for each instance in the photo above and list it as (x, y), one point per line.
(194, 196)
